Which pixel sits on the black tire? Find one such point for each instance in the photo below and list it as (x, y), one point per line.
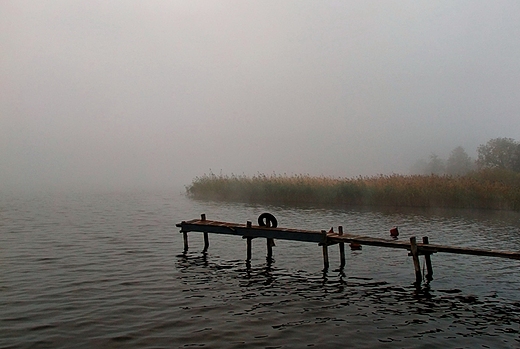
(267, 219)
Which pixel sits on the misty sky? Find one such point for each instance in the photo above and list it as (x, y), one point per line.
(153, 93)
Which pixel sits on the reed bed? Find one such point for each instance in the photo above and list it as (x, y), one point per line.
(487, 189)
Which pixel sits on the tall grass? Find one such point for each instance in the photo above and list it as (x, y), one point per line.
(489, 189)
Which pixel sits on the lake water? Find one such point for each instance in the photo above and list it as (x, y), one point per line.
(107, 270)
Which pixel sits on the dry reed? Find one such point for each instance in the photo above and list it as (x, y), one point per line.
(488, 189)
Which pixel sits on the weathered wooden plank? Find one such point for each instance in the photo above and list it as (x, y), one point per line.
(470, 251)
(365, 240)
(253, 231)
(425, 248)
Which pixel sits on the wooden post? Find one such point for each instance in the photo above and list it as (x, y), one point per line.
(325, 251)
(429, 268)
(325, 257)
(249, 248)
(206, 237)
(185, 237)
(270, 242)
(206, 242)
(416, 263)
(248, 240)
(341, 248)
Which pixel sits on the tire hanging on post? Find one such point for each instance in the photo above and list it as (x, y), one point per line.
(267, 220)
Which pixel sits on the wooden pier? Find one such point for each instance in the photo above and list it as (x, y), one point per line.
(267, 228)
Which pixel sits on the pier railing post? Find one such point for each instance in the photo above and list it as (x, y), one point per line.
(427, 258)
(341, 248)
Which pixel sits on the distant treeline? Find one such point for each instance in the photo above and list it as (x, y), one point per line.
(497, 153)
(483, 189)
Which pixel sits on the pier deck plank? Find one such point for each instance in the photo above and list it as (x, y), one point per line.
(255, 231)
(422, 248)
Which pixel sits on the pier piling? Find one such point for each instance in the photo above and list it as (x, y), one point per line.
(427, 259)
(325, 248)
(206, 242)
(270, 244)
(416, 263)
(249, 243)
(341, 248)
(325, 257)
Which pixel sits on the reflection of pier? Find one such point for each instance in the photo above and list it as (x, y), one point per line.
(268, 229)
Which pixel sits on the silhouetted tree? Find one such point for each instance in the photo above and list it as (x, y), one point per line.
(436, 165)
(501, 153)
(459, 163)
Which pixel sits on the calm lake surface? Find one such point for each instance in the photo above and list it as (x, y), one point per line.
(107, 270)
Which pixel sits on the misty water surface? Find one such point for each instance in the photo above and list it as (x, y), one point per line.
(107, 270)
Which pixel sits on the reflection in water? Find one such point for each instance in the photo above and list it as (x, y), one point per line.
(262, 274)
(393, 314)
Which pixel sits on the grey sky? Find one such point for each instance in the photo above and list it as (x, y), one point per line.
(134, 93)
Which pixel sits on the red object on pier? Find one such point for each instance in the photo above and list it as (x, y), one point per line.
(355, 246)
(394, 232)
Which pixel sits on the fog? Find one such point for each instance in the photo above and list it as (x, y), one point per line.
(117, 94)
